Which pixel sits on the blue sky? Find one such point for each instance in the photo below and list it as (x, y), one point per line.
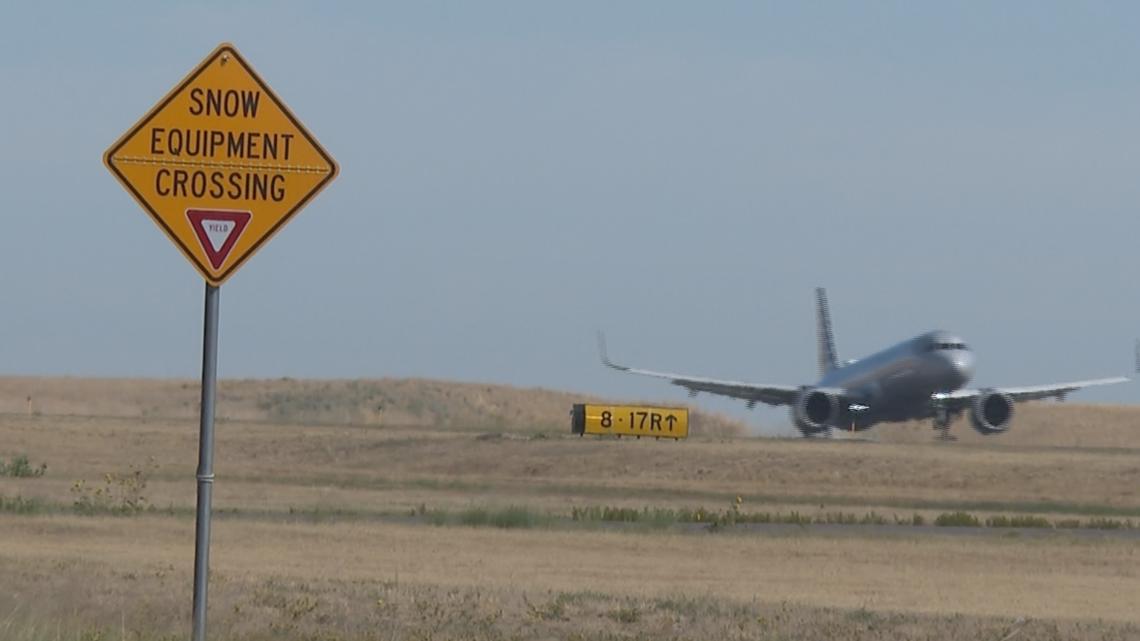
(515, 175)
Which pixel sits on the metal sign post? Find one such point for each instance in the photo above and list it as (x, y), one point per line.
(205, 461)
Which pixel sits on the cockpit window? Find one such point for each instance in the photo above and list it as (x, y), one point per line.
(936, 346)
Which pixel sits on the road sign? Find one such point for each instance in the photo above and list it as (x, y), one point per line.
(630, 420)
(221, 164)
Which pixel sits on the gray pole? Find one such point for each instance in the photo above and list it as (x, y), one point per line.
(205, 461)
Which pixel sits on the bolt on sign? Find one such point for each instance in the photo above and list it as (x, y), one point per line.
(221, 164)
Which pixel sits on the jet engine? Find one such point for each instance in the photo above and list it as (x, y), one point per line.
(991, 412)
(815, 411)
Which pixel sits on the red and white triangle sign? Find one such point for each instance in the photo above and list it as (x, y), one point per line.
(218, 231)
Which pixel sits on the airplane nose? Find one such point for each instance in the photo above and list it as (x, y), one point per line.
(961, 365)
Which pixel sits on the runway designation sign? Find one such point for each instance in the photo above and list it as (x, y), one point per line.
(221, 164)
(630, 420)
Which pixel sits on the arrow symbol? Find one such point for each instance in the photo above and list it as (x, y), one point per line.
(670, 420)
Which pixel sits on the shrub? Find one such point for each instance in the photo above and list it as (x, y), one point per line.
(20, 467)
(119, 494)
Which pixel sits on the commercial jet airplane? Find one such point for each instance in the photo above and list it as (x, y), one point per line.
(920, 378)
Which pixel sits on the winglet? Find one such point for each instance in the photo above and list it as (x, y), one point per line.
(605, 356)
(1138, 356)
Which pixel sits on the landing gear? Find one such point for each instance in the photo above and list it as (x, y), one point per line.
(942, 423)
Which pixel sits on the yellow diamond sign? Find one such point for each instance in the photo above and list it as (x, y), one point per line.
(220, 163)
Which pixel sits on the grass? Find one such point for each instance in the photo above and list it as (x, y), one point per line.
(288, 611)
(1019, 520)
(665, 517)
(21, 505)
(325, 525)
(510, 517)
(692, 492)
(452, 405)
(1108, 524)
(957, 519)
(627, 613)
(654, 517)
(1110, 428)
(321, 581)
(522, 516)
(354, 467)
(357, 402)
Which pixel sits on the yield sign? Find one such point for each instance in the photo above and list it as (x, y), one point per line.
(220, 164)
(217, 231)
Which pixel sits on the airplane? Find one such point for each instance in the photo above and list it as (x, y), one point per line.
(920, 378)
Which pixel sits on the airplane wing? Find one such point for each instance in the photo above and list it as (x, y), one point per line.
(750, 392)
(1030, 393)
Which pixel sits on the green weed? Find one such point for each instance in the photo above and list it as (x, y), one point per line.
(511, 517)
(1018, 520)
(19, 467)
(957, 519)
(21, 505)
(1102, 523)
(628, 613)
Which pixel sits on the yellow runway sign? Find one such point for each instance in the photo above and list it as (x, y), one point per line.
(220, 163)
(630, 420)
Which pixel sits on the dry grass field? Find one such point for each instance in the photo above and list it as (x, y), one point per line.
(374, 580)
(449, 513)
(385, 402)
(1047, 423)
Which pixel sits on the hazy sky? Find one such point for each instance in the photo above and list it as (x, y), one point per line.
(515, 175)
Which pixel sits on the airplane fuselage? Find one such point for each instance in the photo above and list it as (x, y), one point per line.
(896, 383)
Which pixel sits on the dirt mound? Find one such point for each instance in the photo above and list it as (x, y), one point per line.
(393, 402)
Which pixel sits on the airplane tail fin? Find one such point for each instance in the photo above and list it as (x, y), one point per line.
(825, 339)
